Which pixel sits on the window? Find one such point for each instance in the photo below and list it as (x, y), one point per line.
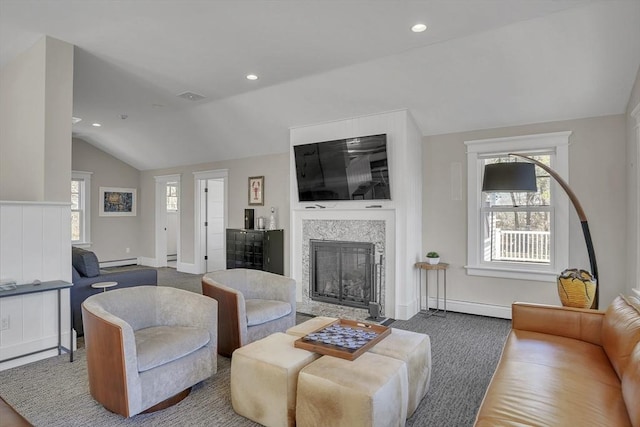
(518, 235)
(516, 227)
(172, 197)
(80, 208)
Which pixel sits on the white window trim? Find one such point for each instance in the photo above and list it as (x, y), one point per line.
(85, 177)
(558, 143)
(635, 275)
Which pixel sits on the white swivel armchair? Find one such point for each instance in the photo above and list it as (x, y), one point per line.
(147, 345)
(251, 305)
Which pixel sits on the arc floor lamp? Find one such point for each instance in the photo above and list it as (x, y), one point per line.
(521, 176)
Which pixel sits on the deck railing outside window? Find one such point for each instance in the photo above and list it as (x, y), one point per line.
(524, 246)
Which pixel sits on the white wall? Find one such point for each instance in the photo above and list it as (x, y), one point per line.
(35, 169)
(275, 169)
(34, 244)
(595, 174)
(35, 123)
(111, 235)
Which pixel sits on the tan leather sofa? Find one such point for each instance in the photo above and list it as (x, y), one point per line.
(568, 367)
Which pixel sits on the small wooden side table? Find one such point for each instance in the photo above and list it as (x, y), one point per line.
(104, 285)
(442, 266)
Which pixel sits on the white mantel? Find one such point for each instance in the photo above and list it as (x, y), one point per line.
(402, 214)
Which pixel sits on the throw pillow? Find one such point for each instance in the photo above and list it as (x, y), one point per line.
(85, 262)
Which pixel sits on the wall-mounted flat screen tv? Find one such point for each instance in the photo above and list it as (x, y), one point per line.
(344, 169)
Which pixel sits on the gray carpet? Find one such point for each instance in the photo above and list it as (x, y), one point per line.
(170, 277)
(465, 350)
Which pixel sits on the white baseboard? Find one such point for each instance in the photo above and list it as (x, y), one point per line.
(184, 267)
(149, 262)
(119, 262)
(152, 262)
(488, 310)
(404, 312)
(636, 291)
(27, 347)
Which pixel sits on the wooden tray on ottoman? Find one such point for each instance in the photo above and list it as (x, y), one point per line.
(346, 339)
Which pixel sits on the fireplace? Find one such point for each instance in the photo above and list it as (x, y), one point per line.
(368, 228)
(342, 273)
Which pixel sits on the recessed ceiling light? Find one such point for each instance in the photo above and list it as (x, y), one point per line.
(96, 125)
(418, 28)
(252, 77)
(75, 120)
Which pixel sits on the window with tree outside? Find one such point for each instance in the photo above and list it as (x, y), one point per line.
(518, 235)
(76, 212)
(172, 197)
(517, 227)
(80, 208)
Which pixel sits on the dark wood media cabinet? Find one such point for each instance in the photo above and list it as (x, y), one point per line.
(256, 249)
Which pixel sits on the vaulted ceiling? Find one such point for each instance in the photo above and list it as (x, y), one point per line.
(479, 64)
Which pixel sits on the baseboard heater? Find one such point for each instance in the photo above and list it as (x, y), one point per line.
(119, 262)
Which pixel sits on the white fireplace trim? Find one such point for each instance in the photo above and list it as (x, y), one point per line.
(403, 212)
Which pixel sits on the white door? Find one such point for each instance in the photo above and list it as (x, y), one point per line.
(215, 255)
(172, 223)
(162, 220)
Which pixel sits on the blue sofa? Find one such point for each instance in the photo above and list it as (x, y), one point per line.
(86, 271)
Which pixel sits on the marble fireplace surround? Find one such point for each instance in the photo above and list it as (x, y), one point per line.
(370, 226)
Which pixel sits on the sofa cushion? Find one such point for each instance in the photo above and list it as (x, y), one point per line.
(549, 380)
(621, 332)
(631, 387)
(85, 262)
(261, 311)
(158, 345)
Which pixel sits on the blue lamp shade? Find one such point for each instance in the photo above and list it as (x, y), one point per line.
(509, 177)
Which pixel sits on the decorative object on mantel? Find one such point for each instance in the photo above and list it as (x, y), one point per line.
(433, 258)
(117, 201)
(248, 219)
(576, 288)
(273, 224)
(520, 176)
(256, 191)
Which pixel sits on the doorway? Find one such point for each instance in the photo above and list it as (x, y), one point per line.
(211, 220)
(162, 219)
(173, 202)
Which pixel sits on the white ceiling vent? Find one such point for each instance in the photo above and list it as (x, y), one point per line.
(191, 96)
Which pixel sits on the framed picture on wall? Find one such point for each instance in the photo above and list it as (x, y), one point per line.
(117, 201)
(256, 191)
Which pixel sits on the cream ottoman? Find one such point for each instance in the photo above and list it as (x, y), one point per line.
(415, 350)
(369, 391)
(310, 325)
(264, 378)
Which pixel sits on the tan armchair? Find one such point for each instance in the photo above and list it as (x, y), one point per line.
(146, 346)
(252, 304)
